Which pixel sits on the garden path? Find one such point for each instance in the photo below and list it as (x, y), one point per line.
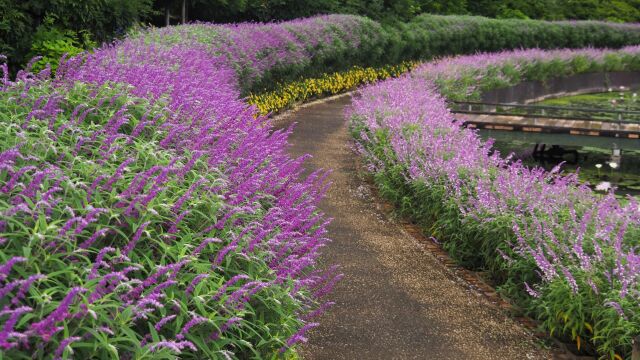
(395, 301)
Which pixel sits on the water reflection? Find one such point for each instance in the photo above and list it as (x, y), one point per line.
(603, 162)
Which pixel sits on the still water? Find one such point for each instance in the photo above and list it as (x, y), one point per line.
(590, 155)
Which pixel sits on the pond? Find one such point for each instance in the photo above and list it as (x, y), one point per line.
(590, 155)
(593, 159)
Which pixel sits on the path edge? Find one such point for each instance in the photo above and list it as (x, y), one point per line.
(469, 278)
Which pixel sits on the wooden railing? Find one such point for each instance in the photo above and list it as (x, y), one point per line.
(540, 111)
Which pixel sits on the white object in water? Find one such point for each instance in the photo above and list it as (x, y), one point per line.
(603, 186)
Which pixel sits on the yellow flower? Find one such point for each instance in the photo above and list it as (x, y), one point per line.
(286, 95)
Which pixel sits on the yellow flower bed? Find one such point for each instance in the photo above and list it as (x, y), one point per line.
(285, 95)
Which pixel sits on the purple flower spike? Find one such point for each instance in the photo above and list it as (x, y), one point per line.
(6, 267)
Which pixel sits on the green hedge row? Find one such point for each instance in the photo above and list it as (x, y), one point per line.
(431, 36)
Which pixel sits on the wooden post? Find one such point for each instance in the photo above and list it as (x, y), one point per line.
(167, 15)
(635, 354)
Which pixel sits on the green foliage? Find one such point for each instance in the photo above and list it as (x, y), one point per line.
(104, 20)
(51, 43)
(16, 29)
(58, 25)
(265, 10)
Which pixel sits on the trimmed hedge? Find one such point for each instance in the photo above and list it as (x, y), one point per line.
(309, 48)
(428, 36)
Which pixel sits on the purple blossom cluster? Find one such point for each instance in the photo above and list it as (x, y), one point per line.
(254, 49)
(468, 75)
(160, 199)
(578, 249)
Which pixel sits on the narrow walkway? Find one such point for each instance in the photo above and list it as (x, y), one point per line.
(396, 301)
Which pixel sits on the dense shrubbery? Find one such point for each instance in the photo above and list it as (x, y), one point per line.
(266, 55)
(50, 43)
(147, 210)
(22, 22)
(105, 20)
(315, 46)
(566, 255)
(429, 36)
(266, 10)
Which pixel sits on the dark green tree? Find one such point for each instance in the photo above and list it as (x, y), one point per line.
(101, 20)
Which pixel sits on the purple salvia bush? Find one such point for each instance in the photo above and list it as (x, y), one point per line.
(196, 320)
(299, 336)
(8, 327)
(150, 136)
(565, 243)
(174, 346)
(47, 326)
(5, 268)
(226, 326)
(63, 345)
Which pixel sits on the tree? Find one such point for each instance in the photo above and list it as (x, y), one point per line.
(102, 20)
(443, 6)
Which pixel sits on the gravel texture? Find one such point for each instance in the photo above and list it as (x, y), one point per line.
(396, 301)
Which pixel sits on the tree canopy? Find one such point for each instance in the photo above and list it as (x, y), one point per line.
(22, 22)
(265, 10)
(29, 27)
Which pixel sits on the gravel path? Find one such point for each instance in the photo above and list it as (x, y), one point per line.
(395, 301)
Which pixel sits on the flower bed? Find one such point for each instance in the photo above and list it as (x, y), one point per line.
(115, 242)
(288, 94)
(265, 55)
(564, 254)
(148, 211)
